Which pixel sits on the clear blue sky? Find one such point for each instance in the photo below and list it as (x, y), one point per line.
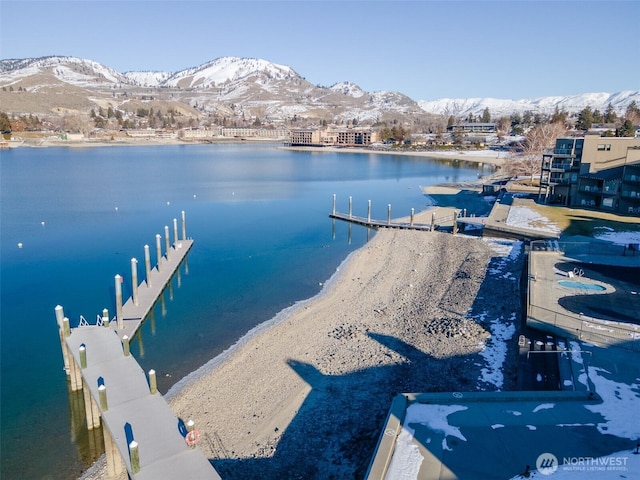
(425, 49)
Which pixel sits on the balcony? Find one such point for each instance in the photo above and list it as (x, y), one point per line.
(631, 194)
(632, 178)
(591, 189)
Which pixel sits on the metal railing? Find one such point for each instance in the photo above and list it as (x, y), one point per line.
(601, 332)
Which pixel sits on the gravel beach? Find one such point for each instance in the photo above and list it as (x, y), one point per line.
(408, 312)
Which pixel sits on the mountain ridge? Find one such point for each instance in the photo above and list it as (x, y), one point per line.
(257, 87)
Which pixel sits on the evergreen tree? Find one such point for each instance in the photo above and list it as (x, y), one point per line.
(585, 119)
(5, 123)
(597, 116)
(626, 130)
(516, 119)
(486, 116)
(527, 118)
(632, 112)
(610, 115)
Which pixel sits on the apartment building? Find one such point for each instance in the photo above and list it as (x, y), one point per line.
(344, 137)
(596, 172)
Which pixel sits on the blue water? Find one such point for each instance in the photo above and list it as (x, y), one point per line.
(263, 240)
(581, 285)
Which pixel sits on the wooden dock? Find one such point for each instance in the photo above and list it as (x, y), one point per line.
(150, 290)
(372, 223)
(142, 435)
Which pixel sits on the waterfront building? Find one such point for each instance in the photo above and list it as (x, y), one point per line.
(595, 172)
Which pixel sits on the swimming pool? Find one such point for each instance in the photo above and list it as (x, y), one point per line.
(581, 285)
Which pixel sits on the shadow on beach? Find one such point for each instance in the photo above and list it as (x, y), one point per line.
(334, 433)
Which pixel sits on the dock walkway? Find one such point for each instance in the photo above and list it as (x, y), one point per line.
(150, 290)
(141, 432)
(371, 223)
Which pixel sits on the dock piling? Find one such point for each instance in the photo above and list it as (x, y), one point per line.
(158, 250)
(334, 203)
(153, 384)
(433, 221)
(455, 222)
(412, 213)
(184, 226)
(389, 214)
(82, 351)
(134, 456)
(147, 265)
(119, 319)
(61, 329)
(102, 392)
(350, 206)
(167, 241)
(134, 281)
(105, 318)
(126, 348)
(175, 233)
(368, 211)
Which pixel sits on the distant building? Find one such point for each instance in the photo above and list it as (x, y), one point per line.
(345, 137)
(472, 128)
(308, 138)
(233, 132)
(602, 173)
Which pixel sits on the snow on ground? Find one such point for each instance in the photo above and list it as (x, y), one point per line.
(524, 217)
(619, 238)
(543, 406)
(507, 251)
(407, 458)
(495, 350)
(620, 405)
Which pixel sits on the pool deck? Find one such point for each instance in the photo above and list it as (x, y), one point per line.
(502, 435)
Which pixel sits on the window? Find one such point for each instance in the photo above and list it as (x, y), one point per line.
(604, 147)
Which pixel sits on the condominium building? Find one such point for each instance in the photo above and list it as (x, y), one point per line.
(596, 172)
(346, 137)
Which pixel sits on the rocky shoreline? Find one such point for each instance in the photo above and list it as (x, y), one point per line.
(409, 312)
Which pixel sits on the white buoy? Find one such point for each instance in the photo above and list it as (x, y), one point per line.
(42, 223)
(116, 209)
(168, 203)
(20, 245)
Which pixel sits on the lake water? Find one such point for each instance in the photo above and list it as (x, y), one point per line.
(263, 240)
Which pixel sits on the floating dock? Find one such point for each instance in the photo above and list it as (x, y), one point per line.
(142, 435)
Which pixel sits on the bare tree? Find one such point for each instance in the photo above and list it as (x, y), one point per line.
(538, 140)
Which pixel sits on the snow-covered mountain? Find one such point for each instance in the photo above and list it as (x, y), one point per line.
(227, 87)
(72, 70)
(462, 107)
(245, 88)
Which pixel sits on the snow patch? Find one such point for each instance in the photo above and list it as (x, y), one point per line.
(407, 458)
(524, 217)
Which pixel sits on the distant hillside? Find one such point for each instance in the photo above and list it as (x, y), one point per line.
(244, 90)
(227, 87)
(462, 107)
